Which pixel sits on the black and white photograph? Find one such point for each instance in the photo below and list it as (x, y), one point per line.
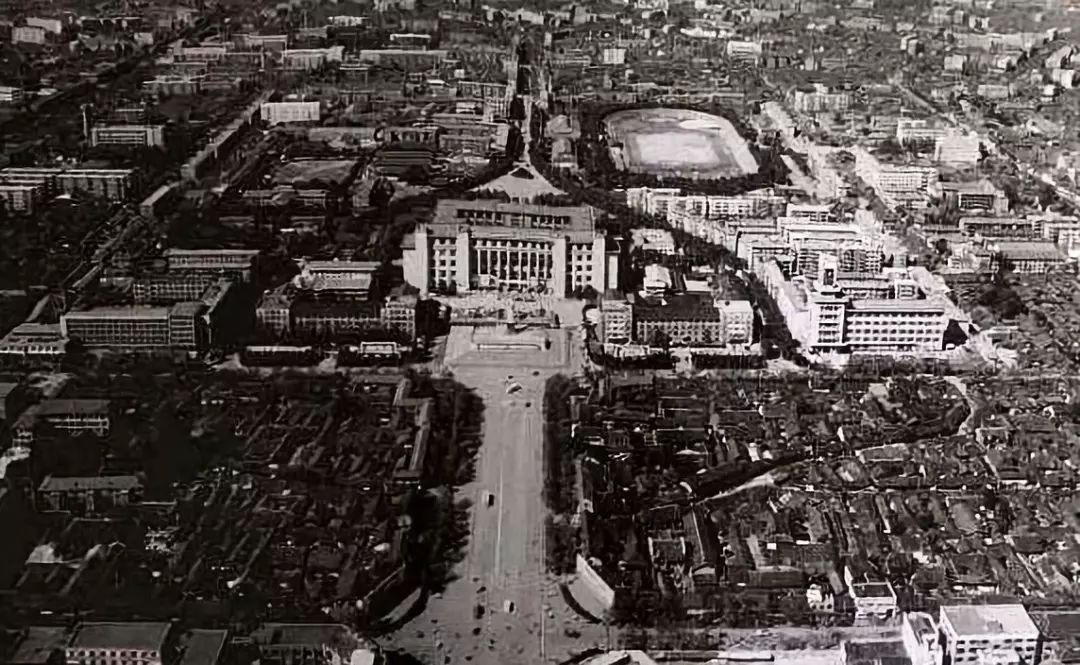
(539, 332)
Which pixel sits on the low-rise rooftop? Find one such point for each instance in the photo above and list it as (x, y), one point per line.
(140, 635)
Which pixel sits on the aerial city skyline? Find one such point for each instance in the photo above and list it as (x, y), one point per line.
(640, 331)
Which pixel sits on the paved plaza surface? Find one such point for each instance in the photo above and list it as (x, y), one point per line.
(524, 615)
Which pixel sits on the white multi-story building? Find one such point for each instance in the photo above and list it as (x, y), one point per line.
(959, 150)
(896, 184)
(825, 318)
(305, 59)
(10, 94)
(51, 25)
(757, 252)
(659, 201)
(616, 319)
(119, 643)
(612, 55)
(274, 113)
(20, 198)
(919, 633)
(495, 97)
(234, 262)
(654, 240)
(478, 245)
(747, 51)
(874, 602)
(652, 200)
(978, 633)
(28, 34)
(813, 212)
(113, 184)
(819, 99)
(202, 53)
(917, 129)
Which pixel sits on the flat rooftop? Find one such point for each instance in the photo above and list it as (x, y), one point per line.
(989, 620)
(202, 646)
(128, 313)
(75, 484)
(498, 213)
(142, 635)
(1029, 250)
(58, 407)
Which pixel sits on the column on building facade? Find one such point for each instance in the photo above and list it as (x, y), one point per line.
(417, 263)
(463, 260)
(558, 266)
(599, 263)
(612, 270)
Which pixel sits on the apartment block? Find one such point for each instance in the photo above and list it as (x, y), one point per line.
(69, 415)
(236, 263)
(169, 289)
(693, 320)
(494, 96)
(27, 34)
(986, 633)
(87, 495)
(11, 94)
(274, 113)
(22, 199)
(138, 328)
(112, 184)
(1032, 257)
(119, 643)
(135, 136)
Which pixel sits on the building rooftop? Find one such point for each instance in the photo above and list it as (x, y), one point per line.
(173, 251)
(689, 306)
(875, 652)
(896, 305)
(317, 267)
(202, 647)
(74, 484)
(301, 633)
(50, 170)
(1019, 251)
(141, 635)
(982, 186)
(58, 407)
(511, 214)
(872, 590)
(192, 308)
(988, 620)
(38, 644)
(148, 313)
(303, 308)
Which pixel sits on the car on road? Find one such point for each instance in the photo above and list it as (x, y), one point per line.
(478, 612)
(508, 607)
(489, 499)
(513, 388)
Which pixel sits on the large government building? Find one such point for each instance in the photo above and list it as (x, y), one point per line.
(479, 245)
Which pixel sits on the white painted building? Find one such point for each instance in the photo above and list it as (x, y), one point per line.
(274, 113)
(958, 149)
(976, 633)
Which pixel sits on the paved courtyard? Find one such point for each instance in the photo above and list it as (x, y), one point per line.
(524, 616)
